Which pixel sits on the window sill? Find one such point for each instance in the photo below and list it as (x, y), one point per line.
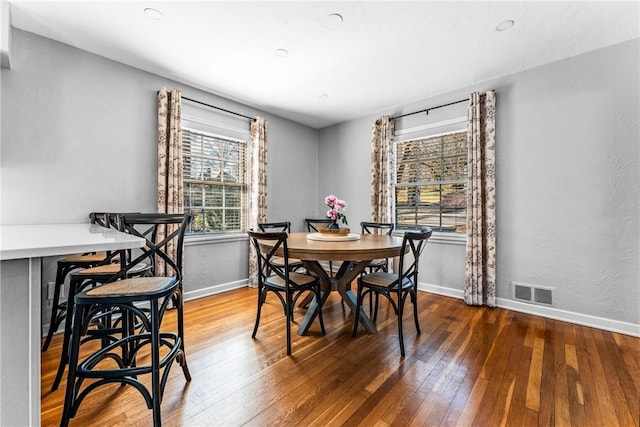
(205, 239)
(441, 237)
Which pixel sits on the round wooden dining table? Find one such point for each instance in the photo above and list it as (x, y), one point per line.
(355, 255)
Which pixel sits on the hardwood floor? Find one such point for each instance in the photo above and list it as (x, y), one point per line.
(470, 366)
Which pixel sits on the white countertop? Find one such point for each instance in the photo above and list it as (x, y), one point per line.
(29, 241)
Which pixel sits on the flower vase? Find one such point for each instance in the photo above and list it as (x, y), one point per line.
(334, 225)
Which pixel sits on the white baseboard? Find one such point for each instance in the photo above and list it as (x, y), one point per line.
(548, 312)
(216, 289)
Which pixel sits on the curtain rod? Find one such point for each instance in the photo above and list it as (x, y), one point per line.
(217, 108)
(426, 110)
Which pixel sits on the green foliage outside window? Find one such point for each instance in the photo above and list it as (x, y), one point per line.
(215, 182)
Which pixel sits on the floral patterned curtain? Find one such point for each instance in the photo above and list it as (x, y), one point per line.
(258, 181)
(170, 192)
(382, 170)
(480, 269)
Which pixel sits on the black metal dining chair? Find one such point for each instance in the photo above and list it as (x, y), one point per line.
(278, 227)
(287, 285)
(376, 264)
(140, 346)
(377, 228)
(312, 227)
(396, 285)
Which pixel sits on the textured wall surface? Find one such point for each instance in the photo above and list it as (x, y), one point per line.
(567, 181)
(79, 134)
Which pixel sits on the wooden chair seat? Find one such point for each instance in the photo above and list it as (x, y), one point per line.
(131, 287)
(279, 261)
(91, 258)
(298, 279)
(385, 280)
(111, 269)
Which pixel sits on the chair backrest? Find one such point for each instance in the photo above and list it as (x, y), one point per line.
(275, 227)
(377, 228)
(107, 219)
(111, 220)
(416, 242)
(104, 219)
(266, 267)
(313, 224)
(164, 239)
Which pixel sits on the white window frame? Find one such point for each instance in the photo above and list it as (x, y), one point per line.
(196, 123)
(431, 130)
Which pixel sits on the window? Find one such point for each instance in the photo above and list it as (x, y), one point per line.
(215, 181)
(430, 188)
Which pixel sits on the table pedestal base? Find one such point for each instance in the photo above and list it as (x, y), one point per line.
(349, 271)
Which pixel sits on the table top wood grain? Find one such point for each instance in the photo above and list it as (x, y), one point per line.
(368, 247)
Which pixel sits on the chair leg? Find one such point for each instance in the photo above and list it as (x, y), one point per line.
(155, 363)
(288, 315)
(183, 359)
(68, 322)
(375, 310)
(262, 295)
(70, 393)
(58, 312)
(400, 311)
(414, 299)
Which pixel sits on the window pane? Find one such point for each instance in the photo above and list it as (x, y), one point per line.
(232, 219)
(197, 223)
(213, 220)
(192, 195)
(233, 197)
(437, 166)
(215, 182)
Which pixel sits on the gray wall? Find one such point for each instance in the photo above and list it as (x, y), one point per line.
(567, 181)
(79, 134)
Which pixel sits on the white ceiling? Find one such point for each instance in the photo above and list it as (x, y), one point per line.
(383, 55)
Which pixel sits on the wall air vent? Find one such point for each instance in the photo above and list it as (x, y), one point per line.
(532, 294)
(522, 292)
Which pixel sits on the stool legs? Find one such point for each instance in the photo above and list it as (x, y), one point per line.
(64, 355)
(130, 345)
(58, 311)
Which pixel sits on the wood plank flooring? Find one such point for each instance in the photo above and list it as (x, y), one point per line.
(471, 366)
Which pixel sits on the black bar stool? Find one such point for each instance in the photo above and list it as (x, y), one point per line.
(138, 346)
(67, 265)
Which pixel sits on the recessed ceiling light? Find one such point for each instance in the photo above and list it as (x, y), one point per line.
(324, 96)
(282, 52)
(333, 20)
(505, 25)
(154, 14)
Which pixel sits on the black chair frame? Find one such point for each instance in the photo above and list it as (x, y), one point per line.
(376, 265)
(278, 227)
(69, 264)
(280, 280)
(312, 227)
(139, 325)
(401, 285)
